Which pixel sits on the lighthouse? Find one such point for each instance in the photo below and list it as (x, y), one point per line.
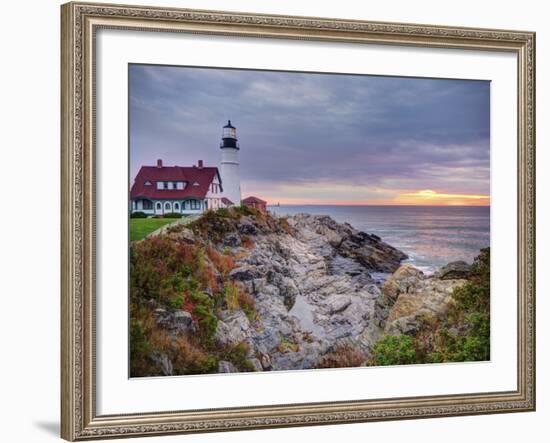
(229, 166)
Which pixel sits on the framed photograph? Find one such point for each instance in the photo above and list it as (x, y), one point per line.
(283, 221)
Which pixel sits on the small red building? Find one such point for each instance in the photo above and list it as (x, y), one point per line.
(255, 202)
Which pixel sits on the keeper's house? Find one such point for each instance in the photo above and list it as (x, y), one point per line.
(186, 190)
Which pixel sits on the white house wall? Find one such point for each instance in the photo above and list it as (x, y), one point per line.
(168, 206)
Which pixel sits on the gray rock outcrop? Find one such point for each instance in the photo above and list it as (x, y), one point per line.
(454, 270)
(312, 282)
(414, 297)
(312, 288)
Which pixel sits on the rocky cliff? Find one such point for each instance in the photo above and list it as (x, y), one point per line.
(313, 285)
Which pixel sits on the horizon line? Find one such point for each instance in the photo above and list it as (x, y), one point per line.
(370, 204)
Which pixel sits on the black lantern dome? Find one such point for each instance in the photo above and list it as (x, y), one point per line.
(229, 136)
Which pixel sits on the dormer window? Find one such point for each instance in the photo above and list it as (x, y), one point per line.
(160, 185)
(147, 183)
(165, 185)
(180, 185)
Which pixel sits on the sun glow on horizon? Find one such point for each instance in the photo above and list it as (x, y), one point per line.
(345, 195)
(431, 197)
(425, 197)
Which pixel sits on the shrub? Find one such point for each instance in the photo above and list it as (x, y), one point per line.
(343, 356)
(188, 358)
(237, 298)
(395, 350)
(224, 263)
(245, 210)
(237, 354)
(161, 268)
(212, 226)
(285, 226)
(474, 296)
(247, 304)
(231, 292)
(286, 345)
(464, 335)
(203, 311)
(139, 343)
(171, 215)
(138, 214)
(222, 212)
(176, 302)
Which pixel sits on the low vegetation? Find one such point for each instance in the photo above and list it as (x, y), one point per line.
(464, 335)
(167, 274)
(215, 225)
(188, 271)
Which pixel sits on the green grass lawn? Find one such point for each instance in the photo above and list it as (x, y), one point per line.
(141, 227)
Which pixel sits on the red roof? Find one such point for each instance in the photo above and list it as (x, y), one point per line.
(254, 200)
(197, 182)
(226, 201)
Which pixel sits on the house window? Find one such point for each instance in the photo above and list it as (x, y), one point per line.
(166, 206)
(179, 185)
(176, 206)
(147, 204)
(195, 204)
(159, 206)
(160, 185)
(165, 185)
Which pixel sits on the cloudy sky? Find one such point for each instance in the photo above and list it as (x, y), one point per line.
(320, 138)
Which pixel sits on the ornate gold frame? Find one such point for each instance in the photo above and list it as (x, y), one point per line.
(80, 21)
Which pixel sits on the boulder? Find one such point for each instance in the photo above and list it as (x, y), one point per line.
(232, 240)
(454, 270)
(337, 303)
(182, 234)
(183, 320)
(246, 226)
(177, 321)
(404, 280)
(429, 298)
(234, 328)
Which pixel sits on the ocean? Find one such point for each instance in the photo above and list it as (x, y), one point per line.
(431, 236)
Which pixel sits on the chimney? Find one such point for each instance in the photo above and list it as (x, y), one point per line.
(200, 164)
(159, 163)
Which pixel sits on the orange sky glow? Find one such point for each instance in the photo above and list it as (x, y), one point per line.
(426, 197)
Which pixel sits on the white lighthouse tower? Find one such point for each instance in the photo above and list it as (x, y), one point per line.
(229, 167)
